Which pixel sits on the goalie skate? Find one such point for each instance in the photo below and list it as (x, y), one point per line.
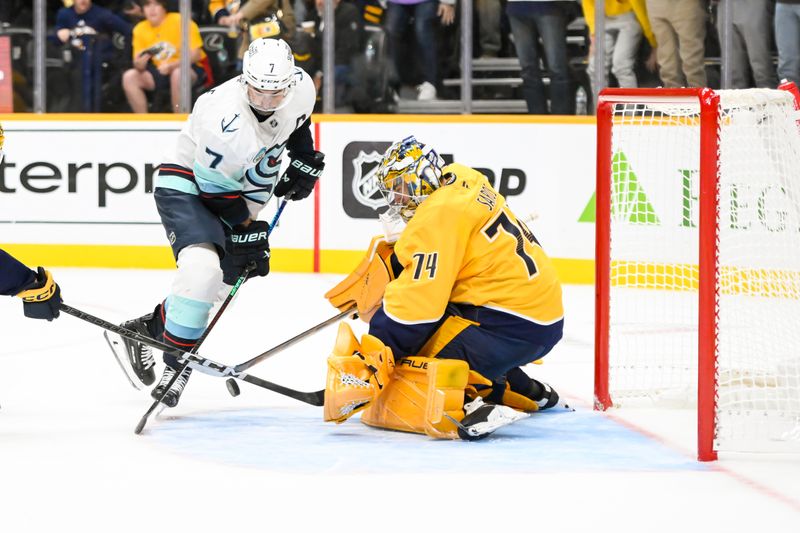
(482, 419)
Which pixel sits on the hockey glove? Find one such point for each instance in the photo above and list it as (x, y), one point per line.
(250, 244)
(42, 297)
(300, 177)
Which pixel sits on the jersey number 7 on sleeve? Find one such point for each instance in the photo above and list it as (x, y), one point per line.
(520, 234)
(216, 155)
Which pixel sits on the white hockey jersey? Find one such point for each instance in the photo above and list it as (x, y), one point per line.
(229, 150)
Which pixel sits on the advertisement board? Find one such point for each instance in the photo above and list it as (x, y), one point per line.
(544, 169)
(70, 183)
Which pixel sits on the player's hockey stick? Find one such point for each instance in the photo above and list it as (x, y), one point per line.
(178, 371)
(202, 364)
(285, 344)
(242, 278)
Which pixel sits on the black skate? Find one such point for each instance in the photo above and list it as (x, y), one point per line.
(172, 397)
(138, 356)
(543, 394)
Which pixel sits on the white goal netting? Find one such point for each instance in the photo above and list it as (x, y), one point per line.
(653, 334)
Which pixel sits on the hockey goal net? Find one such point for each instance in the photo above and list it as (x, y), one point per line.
(698, 261)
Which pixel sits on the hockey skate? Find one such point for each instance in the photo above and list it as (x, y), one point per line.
(135, 358)
(172, 396)
(482, 419)
(543, 394)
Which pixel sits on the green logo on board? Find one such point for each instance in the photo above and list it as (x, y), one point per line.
(628, 199)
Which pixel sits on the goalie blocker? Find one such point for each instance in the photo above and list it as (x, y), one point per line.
(364, 287)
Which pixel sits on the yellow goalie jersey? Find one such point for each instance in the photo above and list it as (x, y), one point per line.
(464, 245)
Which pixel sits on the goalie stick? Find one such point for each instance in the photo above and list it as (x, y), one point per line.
(285, 344)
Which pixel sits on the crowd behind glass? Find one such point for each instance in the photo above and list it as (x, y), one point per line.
(398, 55)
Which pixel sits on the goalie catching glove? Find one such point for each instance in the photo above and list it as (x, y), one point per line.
(300, 177)
(357, 374)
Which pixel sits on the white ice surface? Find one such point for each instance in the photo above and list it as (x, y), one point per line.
(69, 460)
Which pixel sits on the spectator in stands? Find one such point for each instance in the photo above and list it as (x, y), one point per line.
(625, 23)
(87, 29)
(680, 30)
(348, 35)
(246, 15)
(86, 19)
(532, 20)
(488, 13)
(787, 30)
(157, 54)
(424, 13)
(132, 11)
(751, 51)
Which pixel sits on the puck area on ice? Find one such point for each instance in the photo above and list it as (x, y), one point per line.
(296, 440)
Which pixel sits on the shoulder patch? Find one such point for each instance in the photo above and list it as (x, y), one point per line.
(259, 156)
(226, 127)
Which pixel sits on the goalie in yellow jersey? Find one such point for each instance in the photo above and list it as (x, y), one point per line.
(462, 300)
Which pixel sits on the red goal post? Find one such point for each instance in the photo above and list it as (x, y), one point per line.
(674, 284)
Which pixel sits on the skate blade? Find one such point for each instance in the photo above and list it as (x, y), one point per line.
(118, 349)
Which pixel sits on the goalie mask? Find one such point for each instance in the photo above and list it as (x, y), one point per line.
(268, 74)
(409, 173)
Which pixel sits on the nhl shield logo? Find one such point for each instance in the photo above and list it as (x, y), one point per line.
(360, 194)
(365, 183)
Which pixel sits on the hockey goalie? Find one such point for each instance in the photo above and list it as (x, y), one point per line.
(456, 306)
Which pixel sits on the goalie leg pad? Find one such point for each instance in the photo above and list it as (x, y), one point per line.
(499, 392)
(421, 397)
(510, 398)
(518, 391)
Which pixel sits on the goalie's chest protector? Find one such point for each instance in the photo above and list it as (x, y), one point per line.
(464, 245)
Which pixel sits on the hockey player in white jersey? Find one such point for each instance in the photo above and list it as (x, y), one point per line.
(211, 187)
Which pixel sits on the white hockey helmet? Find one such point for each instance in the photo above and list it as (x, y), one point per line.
(268, 74)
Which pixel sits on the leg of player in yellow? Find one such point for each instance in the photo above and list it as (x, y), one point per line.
(418, 394)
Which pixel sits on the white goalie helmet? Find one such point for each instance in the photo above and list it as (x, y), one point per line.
(268, 74)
